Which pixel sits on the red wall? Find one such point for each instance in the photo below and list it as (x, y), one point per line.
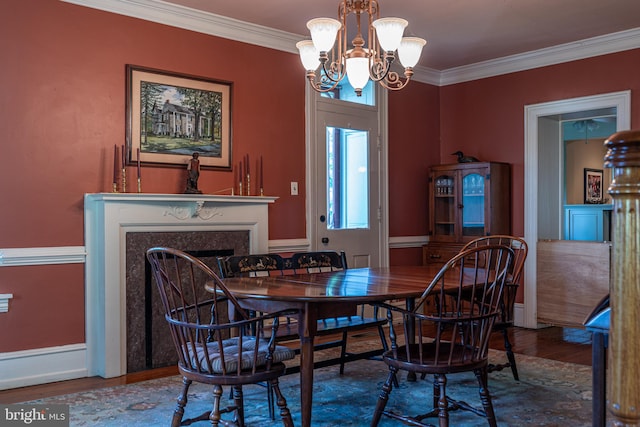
(485, 118)
(414, 145)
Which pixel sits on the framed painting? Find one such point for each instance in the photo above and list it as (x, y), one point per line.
(592, 185)
(172, 116)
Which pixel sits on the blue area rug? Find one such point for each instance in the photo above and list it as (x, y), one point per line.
(549, 393)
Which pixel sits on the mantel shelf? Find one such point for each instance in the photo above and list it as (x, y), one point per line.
(153, 197)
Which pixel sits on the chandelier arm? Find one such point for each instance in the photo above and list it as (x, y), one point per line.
(335, 72)
(321, 86)
(380, 69)
(393, 81)
(372, 42)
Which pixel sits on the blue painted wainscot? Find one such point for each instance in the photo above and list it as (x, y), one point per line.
(587, 222)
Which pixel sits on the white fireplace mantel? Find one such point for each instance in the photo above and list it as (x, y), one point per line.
(109, 216)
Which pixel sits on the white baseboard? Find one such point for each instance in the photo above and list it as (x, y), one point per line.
(408, 241)
(43, 365)
(518, 314)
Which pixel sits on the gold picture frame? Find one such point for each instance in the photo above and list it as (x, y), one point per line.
(170, 116)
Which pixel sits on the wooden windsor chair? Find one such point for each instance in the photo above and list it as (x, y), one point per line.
(211, 348)
(459, 307)
(505, 320)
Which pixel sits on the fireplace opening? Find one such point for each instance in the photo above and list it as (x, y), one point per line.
(149, 343)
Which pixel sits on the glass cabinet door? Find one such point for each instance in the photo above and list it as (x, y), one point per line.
(473, 201)
(444, 209)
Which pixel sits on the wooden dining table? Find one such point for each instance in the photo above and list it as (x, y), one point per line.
(328, 294)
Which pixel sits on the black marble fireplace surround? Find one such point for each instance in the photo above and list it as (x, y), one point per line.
(148, 341)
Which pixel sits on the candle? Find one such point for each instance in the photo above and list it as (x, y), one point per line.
(248, 164)
(138, 154)
(124, 157)
(235, 183)
(115, 164)
(261, 174)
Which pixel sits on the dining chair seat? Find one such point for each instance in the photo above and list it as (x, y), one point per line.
(225, 356)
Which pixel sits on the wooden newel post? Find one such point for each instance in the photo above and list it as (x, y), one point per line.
(623, 396)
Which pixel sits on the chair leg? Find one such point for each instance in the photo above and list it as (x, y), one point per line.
(238, 401)
(510, 356)
(443, 404)
(436, 391)
(385, 348)
(272, 410)
(485, 397)
(383, 339)
(343, 352)
(215, 414)
(182, 402)
(285, 414)
(383, 397)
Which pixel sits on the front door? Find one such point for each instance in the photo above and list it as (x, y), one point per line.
(347, 214)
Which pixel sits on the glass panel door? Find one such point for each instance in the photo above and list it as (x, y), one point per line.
(473, 205)
(444, 212)
(347, 178)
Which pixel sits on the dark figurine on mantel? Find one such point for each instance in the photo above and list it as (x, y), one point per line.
(464, 159)
(193, 173)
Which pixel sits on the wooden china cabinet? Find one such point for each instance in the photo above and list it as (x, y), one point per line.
(466, 201)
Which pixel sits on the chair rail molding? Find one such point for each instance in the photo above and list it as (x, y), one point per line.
(42, 255)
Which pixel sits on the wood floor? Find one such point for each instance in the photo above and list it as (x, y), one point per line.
(563, 344)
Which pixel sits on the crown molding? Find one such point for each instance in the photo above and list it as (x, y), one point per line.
(426, 75)
(587, 48)
(233, 29)
(199, 21)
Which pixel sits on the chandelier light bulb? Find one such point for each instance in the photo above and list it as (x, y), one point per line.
(358, 72)
(324, 32)
(308, 55)
(389, 32)
(410, 50)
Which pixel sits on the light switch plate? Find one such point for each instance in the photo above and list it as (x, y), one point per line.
(294, 188)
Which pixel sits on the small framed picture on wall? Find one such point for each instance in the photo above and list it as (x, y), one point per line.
(592, 185)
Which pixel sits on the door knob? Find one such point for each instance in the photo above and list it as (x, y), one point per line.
(323, 218)
(325, 240)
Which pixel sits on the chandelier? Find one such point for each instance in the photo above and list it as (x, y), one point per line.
(328, 59)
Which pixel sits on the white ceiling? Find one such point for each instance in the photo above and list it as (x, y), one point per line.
(459, 32)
